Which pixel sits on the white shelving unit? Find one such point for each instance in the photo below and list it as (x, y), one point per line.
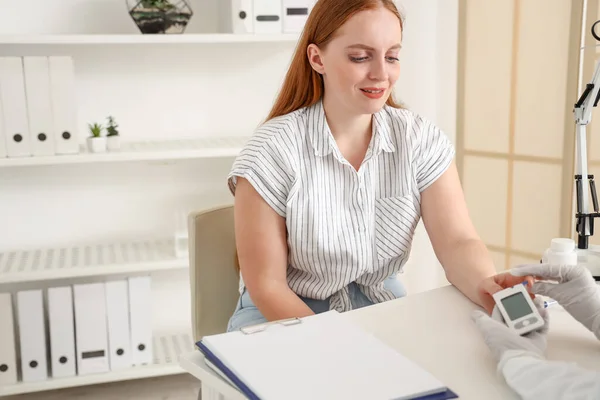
(89, 260)
(115, 72)
(167, 350)
(198, 38)
(142, 151)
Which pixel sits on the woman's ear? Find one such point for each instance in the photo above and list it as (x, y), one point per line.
(315, 58)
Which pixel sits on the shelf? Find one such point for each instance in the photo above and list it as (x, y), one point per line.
(167, 350)
(142, 151)
(191, 38)
(89, 260)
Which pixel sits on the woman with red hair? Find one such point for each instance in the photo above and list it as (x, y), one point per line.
(329, 190)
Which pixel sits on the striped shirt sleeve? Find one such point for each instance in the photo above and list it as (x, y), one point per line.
(434, 153)
(263, 163)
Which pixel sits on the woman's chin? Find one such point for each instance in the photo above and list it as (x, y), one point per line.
(371, 106)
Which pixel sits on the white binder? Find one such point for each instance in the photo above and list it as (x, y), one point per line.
(64, 106)
(90, 328)
(62, 334)
(2, 136)
(39, 109)
(295, 14)
(117, 312)
(267, 16)
(14, 105)
(237, 16)
(8, 356)
(140, 312)
(32, 333)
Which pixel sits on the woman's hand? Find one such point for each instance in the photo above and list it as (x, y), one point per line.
(496, 283)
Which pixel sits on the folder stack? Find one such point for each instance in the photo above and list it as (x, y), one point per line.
(264, 16)
(38, 115)
(91, 328)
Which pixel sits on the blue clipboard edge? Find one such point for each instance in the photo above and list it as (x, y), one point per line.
(228, 373)
(448, 394)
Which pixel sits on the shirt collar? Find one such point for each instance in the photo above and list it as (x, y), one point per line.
(323, 142)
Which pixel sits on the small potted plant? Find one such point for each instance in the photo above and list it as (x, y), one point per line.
(113, 141)
(96, 143)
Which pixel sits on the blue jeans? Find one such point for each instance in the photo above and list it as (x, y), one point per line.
(246, 313)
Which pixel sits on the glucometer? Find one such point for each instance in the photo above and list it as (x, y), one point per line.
(518, 310)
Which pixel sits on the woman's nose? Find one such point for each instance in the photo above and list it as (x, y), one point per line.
(378, 71)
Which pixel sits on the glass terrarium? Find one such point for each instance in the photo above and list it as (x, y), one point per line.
(160, 16)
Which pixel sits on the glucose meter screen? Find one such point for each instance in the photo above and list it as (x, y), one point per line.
(516, 306)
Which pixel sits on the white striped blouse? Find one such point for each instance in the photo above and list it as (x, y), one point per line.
(344, 225)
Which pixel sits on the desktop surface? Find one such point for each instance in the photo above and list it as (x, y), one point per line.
(435, 330)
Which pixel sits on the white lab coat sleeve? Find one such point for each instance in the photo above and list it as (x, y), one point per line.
(535, 378)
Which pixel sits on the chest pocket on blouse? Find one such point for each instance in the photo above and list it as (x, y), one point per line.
(395, 222)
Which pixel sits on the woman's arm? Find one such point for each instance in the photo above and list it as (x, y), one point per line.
(261, 241)
(463, 255)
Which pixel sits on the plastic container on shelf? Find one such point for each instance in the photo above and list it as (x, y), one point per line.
(590, 259)
(561, 252)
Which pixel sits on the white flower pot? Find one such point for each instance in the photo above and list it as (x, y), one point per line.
(96, 144)
(113, 143)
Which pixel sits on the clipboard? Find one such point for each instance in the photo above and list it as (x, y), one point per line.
(288, 345)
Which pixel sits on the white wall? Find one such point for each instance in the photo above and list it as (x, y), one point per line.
(428, 85)
(160, 91)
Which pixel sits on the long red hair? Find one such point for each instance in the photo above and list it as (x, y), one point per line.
(303, 86)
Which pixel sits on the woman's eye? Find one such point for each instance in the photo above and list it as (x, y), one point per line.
(358, 59)
(393, 59)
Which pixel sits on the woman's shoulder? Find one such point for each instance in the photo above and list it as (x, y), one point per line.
(283, 130)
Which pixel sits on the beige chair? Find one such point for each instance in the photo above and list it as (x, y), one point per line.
(213, 277)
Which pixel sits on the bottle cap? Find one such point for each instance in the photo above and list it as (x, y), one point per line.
(562, 245)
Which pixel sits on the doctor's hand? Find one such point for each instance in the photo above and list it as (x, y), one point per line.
(496, 283)
(504, 343)
(575, 290)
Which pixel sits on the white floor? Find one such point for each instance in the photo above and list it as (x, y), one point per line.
(422, 272)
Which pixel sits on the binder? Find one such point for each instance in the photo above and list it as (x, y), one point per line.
(140, 317)
(117, 312)
(295, 14)
(236, 16)
(3, 139)
(64, 106)
(267, 17)
(90, 327)
(8, 356)
(39, 110)
(32, 333)
(14, 105)
(336, 359)
(62, 333)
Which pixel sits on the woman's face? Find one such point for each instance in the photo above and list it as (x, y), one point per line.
(360, 64)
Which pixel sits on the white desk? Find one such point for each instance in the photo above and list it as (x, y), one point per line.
(435, 330)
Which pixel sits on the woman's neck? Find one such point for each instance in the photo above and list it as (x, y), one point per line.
(345, 125)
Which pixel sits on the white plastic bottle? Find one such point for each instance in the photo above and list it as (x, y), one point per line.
(561, 252)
